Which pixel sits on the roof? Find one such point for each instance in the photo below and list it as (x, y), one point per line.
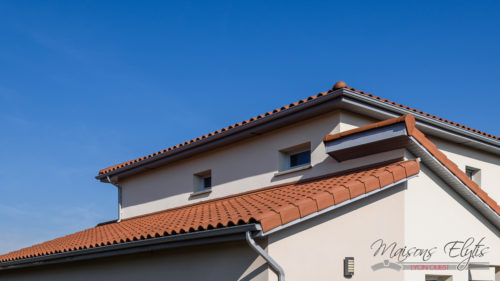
(409, 122)
(333, 91)
(271, 207)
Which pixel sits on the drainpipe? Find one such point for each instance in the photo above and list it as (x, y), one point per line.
(119, 197)
(274, 265)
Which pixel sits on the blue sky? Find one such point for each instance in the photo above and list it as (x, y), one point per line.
(88, 84)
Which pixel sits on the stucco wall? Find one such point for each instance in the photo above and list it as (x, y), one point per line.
(436, 215)
(465, 156)
(239, 167)
(315, 249)
(218, 262)
(236, 168)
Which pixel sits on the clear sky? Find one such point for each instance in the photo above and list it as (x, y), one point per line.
(88, 84)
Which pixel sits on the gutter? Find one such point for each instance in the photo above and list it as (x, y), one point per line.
(309, 109)
(232, 233)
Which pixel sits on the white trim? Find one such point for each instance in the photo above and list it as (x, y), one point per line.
(420, 117)
(206, 191)
(465, 187)
(293, 170)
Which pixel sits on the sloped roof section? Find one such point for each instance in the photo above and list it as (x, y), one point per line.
(409, 121)
(270, 207)
(338, 86)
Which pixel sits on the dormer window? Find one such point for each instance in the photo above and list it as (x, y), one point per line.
(203, 182)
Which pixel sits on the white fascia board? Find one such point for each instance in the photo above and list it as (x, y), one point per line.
(362, 138)
(444, 173)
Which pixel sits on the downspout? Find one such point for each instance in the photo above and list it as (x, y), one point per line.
(274, 265)
(119, 198)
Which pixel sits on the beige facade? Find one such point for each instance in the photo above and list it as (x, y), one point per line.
(436, 215)
(464, 156)
(243, 166)
(315, 249)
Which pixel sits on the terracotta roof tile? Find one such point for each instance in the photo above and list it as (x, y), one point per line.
(399, 173)
(127, 163)
(271, 207)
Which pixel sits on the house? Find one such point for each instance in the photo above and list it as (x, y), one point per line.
(343, 185)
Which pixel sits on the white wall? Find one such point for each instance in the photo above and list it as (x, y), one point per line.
(466, 156)
(315, 249)
(239, 167)
(436, 215)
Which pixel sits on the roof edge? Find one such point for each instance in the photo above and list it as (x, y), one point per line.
(124, 168)
(178, 240)
(422, 116)
(419, 137)
(227, 132)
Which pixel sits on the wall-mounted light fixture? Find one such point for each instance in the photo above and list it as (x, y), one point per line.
(348, 266)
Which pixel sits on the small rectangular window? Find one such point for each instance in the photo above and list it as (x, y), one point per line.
(206, 183)
(295, 157)
(203, 181)
(474, 174)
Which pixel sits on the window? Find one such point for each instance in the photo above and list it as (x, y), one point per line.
(300, 158)
(206, 183)
(203, 181)
(474, 174)
(294, 158)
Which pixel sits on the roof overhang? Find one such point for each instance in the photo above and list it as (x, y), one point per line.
(369, 142)
(300, 112)
(380, 110)
(221, 235)
(402, 132)
(344, 99)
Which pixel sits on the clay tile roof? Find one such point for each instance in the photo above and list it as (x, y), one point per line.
(337, 86)
(270, 207)
(409, 121)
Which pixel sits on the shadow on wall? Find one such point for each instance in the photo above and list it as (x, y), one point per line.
(241, 166)
(217, 262)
